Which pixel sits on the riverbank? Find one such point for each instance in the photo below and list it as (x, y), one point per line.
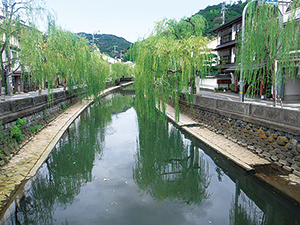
(31, 156)
(283, 181)
(25, 164)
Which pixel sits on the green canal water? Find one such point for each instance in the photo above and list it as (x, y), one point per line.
(113, 166)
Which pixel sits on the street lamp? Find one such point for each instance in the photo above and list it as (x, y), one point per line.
(241, 83)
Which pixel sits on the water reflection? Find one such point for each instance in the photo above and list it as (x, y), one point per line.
(253, 202)
(69, 165)
(167, 167)
(108, 170)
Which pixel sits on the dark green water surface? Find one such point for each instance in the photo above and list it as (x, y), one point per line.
(115, 167)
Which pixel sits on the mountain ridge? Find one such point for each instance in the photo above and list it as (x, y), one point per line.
(109, 44)
(213, 15)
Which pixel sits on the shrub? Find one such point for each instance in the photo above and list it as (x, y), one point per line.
(35, 128)
(63, 105)
(15, 132)
(21, 123)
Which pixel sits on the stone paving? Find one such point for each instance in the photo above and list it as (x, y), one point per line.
(288, 184)
(233, 151)
(25, 164)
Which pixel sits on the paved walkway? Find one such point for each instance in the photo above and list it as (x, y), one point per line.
(225, 147)
(231, 96)
(29, 94)
(288, 184)
(31, 156)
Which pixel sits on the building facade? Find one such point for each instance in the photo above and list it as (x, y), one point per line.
(224, 46)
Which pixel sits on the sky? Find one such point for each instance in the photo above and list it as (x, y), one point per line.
(131, 19)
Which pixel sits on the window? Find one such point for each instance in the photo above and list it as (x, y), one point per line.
(225, 56)
(226, 35)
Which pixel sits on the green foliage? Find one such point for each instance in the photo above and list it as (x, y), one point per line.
(120, 69)
(211, 60)
(106, 43)
(35, 128)
(212, 15)
(64, 54)
(232, 87)
(15, 130)
(1, 131)
(21, 123)
(267, 41)
(159, 146)
(63, 105)
(167, 61)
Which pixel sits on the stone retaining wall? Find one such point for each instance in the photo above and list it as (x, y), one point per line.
(37, 111)
(253, 127)
(264, 114)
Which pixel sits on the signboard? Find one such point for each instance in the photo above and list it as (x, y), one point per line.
(272, 2)
(224, 81)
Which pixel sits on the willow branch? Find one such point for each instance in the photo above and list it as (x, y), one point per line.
(18, 9)
(174, 71)
(193, 25)
(167, 32)
(175, 35)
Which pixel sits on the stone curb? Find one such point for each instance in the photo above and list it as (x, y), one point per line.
(288, 184)
(26, 163)
(238, 154)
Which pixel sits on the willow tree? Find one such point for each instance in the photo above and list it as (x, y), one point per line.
(270, 44)
(60, 53)
(167, 62)
(121, 69)
(15, 14)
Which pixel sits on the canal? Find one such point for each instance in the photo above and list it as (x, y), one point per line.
(113, 166)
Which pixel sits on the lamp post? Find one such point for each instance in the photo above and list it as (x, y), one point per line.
(241, 83)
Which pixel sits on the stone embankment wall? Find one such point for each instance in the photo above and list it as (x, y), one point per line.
(272, 133)
(35, 111)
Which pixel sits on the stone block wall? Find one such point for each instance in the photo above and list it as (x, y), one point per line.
(37, 111)
(253, 127)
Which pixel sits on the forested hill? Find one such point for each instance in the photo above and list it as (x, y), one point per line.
(213, 15)
(106, 43)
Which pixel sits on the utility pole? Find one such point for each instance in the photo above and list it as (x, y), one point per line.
(121, 54)
(223, 12)
(115, 51)
(93, 35)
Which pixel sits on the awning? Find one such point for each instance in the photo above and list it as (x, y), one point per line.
(232, 43)
(232, 68)
(222, 76)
